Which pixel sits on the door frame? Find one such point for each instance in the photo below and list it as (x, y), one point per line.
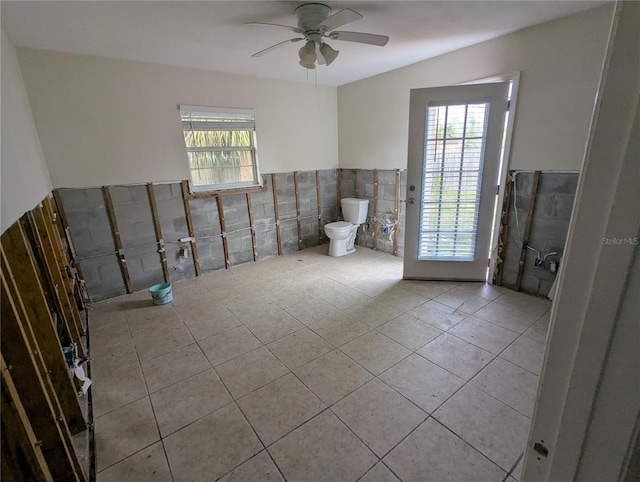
(497, 138)
(577, 391)
(513, 77)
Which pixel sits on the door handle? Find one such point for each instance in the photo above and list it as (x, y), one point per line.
(411, 200)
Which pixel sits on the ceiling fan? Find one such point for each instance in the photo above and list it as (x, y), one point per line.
(315, 24)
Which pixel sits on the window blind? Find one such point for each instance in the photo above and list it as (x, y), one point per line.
(452, 176)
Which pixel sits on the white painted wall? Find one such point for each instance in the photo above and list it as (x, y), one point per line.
(104, 121)
(24, 177)
(560, 63)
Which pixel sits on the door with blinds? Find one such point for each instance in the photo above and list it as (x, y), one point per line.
(455, 144)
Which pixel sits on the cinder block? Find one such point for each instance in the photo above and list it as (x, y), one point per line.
(140, 194)
(145, 280)
(162, 192)
(121, 195)
(73, 198)
(327, 176)
(386, 176)
(151, 262)
(558, 183)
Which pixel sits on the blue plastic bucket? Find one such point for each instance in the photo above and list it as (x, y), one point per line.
(161, 294)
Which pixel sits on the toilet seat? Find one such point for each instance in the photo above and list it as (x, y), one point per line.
(339, 226)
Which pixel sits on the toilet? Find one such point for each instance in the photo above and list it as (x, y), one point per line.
(342, 234)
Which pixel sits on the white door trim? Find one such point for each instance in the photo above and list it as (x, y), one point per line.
(593, 281)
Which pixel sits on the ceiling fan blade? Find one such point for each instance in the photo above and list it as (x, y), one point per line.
(360, 37)
(338, 19)
(295, 29)
(273, 47)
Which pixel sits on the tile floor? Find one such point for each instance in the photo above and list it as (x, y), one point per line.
(310, 368)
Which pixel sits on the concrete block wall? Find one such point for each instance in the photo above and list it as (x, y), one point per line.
(549, 226)
(93, 242)
(308, 199)
(264, 219)
(173, 222)
(385, 208)
(91, 231)
(328, 198)
(206, 225)
(238, 228)
(137, 232)
(287, 212)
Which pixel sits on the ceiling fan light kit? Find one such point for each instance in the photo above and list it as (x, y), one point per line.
(315, 23)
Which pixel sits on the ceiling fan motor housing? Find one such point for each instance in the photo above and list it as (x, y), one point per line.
(310, 16)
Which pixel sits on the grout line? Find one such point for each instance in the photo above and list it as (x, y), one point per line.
(321, 275)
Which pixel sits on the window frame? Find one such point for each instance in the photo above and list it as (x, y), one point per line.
(220, 112)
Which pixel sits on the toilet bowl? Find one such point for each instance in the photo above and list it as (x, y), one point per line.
(342, 234)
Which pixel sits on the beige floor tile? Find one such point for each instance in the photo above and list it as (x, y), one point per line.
(428, 289)
(228, 345)
(322, 449)
(275, 328)
(493, 428)
(483, 334)
(526, 353)
(148, 465)
(162, 341)
(409, 331)
(195, 454)
(124, 431)
(375, 352)
(538, 331)
(279, 407)
(373, 313)
(401, 300)
(312, 310)
(180, 404)
(108, 331)
(379, 473)
(531, 304)
(517, 471)
(370, 286)
(250, 371)
(210, 323)
(510, 384)
(299, 348)
(506, 316)
(378, 415)
(436, 314)
(424, 383)
(333, 376)
(146, 320)
(119, 379)
(344, 298)
(457, 356)
(433, 453)
(252, 311)
(484, 290)
(258, 468)
(340, 329)
(173, 367)
(462, 300)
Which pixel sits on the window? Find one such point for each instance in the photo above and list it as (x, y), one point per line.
(454, 150)
(221, 147)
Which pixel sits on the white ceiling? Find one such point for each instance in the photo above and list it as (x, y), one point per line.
(212, 35)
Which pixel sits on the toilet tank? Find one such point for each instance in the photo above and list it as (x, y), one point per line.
(354, 210)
